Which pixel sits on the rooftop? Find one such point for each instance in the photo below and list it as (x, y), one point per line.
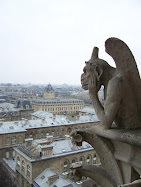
(47, 120)
(48, 88)
(7, 107)
(59, 148)
(56, 101)
(88, 110)
(43, 179)
(11, 163)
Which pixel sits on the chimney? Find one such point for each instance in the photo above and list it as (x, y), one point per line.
(65, 175)
(52, 179)
(46, 150)
(16, 123)
(80, 184)
(49, 139)
(26, 121)
(67, 137)
(43, 121)
(28, 141)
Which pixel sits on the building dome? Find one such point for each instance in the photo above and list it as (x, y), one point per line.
(49, 88)
(49, 92)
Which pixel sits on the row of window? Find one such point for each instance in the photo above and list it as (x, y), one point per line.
(53, 132)
(43, 134)
(61, 108)
(22, 167)
(7, 154)
(13, 140)
(82, 159)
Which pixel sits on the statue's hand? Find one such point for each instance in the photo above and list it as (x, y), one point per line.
(92, 84)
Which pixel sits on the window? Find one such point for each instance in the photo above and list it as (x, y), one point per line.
(7, 154)
(81, 159)
(13, 140)
(42, 134)
(37, 135)
(62, 132)
(88, 159)
(28, 171)
(47, 133)
(65, 166)
(57, 132)
(27, 106)
(73, 161)
(69, 131)
(13, 154)
(94, 159)
(18, 161)
(52, 132)
(23, 165)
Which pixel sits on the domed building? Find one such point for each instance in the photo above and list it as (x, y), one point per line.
(49, 92)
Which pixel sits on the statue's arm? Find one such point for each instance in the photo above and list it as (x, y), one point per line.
(108, 113)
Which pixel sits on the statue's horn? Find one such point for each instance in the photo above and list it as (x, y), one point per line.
(95, 53)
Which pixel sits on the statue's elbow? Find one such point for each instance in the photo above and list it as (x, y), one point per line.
(106, 125)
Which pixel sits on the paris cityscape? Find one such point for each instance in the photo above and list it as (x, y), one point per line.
(36, 123)
(70, 93)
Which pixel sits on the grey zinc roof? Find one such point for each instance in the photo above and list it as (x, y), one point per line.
(61, 182)
(87, 118)
(6, 107)
(59, 148)
(49, 121)
(42, 114)
(88, 110)
(48, 88)
(11, 127)
(62, 119)
(56, 100)
(66, 146)
(42, 179)
(11, 163)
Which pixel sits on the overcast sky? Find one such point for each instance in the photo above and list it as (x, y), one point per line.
(44, 41)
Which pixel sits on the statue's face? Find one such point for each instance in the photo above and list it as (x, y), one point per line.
(84, 81)
(89, 76)
(86, 77)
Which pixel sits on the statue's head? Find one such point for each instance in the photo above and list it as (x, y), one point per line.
(93, 71)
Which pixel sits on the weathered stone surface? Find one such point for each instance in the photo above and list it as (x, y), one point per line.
(122, 86)
(105, 151)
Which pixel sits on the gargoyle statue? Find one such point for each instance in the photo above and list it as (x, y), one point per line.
(122, 86)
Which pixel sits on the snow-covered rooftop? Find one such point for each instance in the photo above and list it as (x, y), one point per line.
(59, 148)
(88, 110)
(56, 100)
(11, 127)
(42, 114)
(43, 179)
(6, 107)
(48, 121)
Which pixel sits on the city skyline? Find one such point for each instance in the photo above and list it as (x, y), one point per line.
(49, 41)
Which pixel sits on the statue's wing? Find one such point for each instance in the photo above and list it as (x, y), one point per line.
(126, 65)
